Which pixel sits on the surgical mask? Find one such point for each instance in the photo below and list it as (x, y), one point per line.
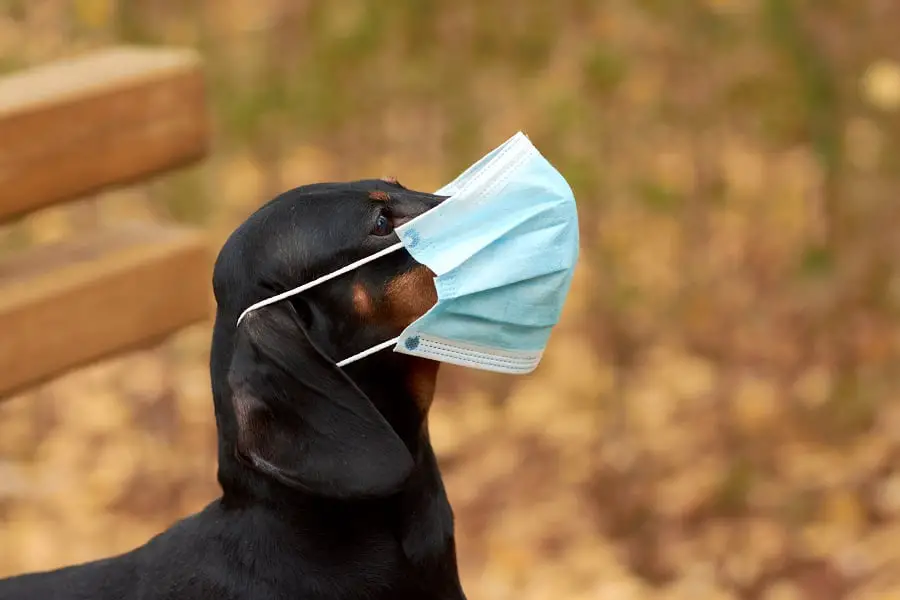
(503, 248)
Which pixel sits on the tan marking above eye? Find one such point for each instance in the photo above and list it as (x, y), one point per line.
(379, 196)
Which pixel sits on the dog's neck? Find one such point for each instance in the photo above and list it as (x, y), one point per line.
(402, 388)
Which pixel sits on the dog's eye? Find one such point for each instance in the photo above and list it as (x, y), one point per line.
(383, 225)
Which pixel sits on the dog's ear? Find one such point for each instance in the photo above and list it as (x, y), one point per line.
(302, 420)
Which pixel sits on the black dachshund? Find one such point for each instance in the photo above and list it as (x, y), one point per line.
(331, 489)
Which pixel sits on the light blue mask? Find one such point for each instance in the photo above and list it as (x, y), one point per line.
(503, 248)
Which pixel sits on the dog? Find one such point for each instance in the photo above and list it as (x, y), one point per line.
(330, 487)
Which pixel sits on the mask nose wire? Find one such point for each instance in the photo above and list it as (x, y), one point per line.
(319, 280)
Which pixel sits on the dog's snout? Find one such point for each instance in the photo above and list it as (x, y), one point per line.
(429, 201)
(409, 205)
(437, 200)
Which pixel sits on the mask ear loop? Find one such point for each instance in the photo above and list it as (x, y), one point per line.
(322, 279)
(369, 352)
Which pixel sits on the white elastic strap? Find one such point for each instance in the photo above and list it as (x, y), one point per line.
(369, 352)
(322, 279)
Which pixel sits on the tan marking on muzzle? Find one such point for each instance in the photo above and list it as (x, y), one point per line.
(410, 295)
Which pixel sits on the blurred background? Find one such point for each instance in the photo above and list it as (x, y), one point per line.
(717, 414)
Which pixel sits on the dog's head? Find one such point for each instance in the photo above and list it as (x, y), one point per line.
(285, 411)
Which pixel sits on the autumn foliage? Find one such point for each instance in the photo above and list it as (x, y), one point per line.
(716, 417)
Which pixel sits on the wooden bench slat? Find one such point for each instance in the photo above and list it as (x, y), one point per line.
(111, 117)
(69, 304)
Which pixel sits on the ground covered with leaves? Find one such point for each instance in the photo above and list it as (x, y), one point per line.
(717, 414)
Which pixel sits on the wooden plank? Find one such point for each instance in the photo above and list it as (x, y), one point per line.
(68, 304)
(73, 127)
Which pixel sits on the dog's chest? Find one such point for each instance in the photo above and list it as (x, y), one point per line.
(371, 566)
(374, 573)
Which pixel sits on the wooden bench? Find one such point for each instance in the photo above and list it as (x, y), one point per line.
(70, 129)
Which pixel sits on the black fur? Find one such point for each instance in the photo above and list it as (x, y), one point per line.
(331, 489)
